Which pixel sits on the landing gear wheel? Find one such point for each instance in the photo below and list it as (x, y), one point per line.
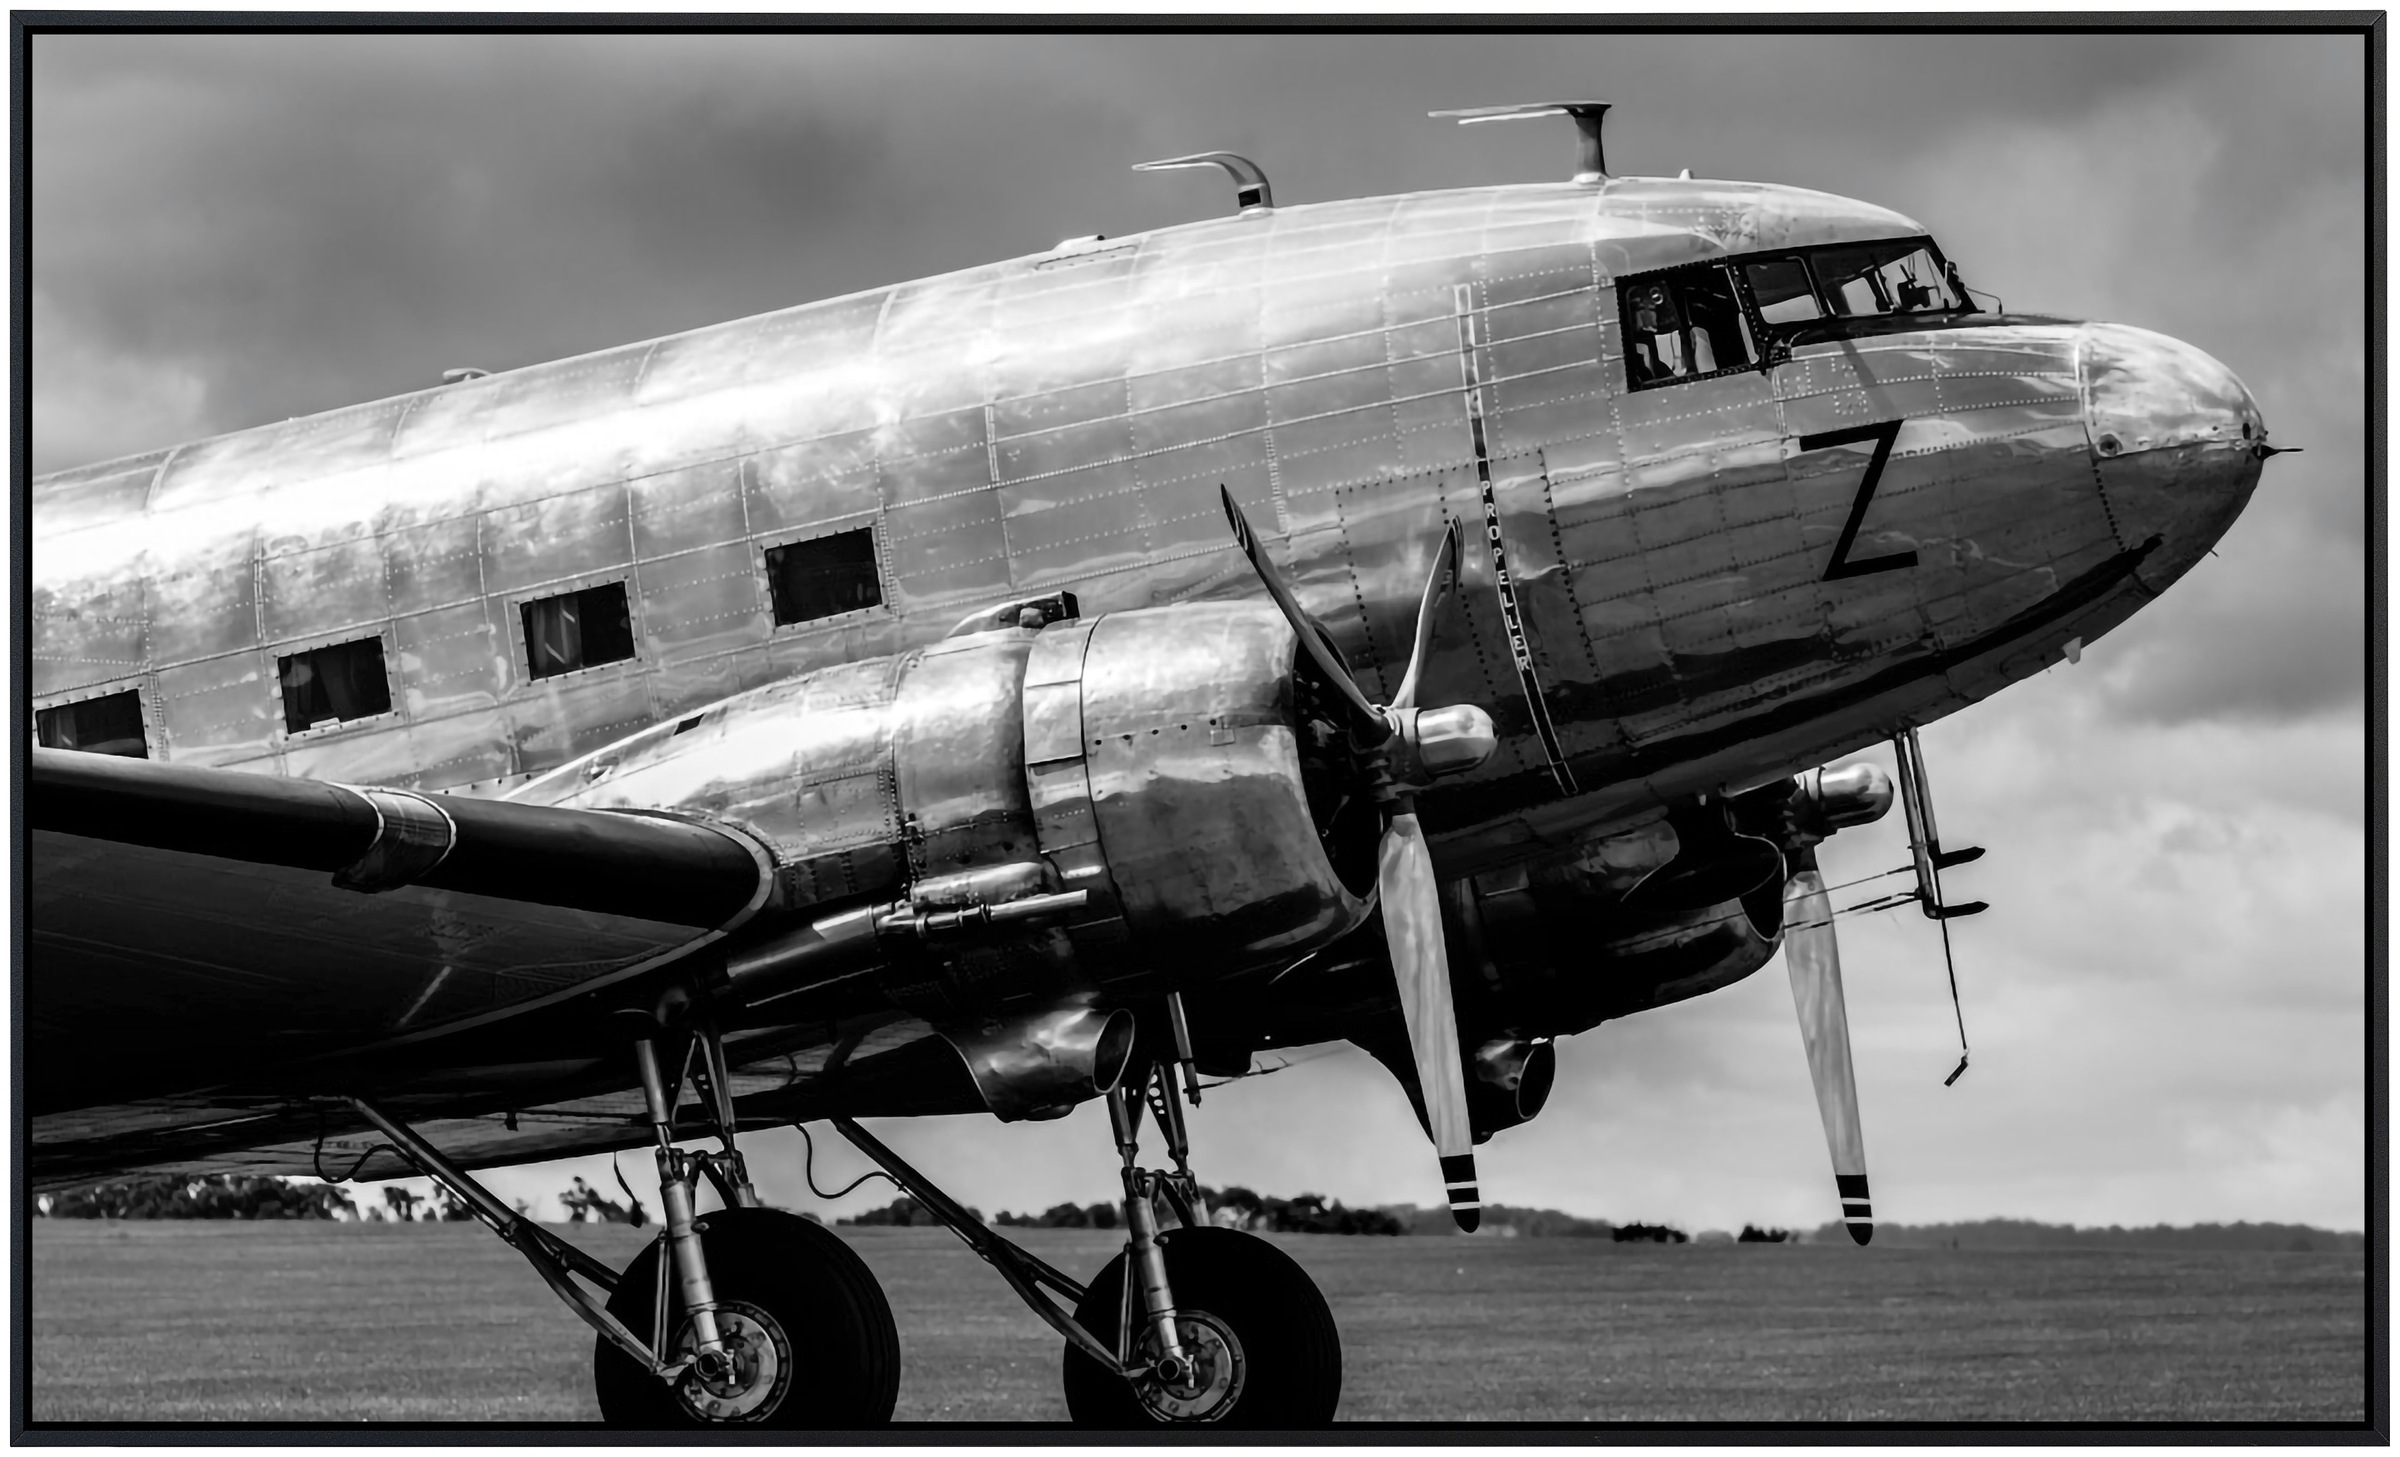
(810, 1333)
(1264, 1348)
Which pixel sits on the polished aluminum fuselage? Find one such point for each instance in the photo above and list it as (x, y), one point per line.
(1065, 421)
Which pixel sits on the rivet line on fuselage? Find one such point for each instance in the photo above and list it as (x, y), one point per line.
(1510, 614)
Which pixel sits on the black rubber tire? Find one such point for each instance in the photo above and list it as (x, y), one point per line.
(1291, 1350)
(845, 1348)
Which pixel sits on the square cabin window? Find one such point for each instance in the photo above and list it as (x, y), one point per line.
(824, 576)
(111, 724)
(578, 630)
(334, 684)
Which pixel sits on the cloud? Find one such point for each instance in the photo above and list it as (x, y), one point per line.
(2223, 203)
(93, 398)
(2275, 629)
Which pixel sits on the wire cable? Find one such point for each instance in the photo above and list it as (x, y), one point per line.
(631, 1198)
(1260, 1072)
(1950, 964)
(808, 1170)
(1644, 940)
(1955, 1008)
(316, 1156)
(318, 1159)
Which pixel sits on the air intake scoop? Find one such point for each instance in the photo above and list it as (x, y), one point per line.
(1251, 192)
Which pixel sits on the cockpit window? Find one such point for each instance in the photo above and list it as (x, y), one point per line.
(1784, 292)
(1684, 324)
(1714, 318)
(1884, 278)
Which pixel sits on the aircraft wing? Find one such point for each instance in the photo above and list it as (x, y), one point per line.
(192, 929)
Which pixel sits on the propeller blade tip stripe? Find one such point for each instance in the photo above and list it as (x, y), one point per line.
(1861, 1231)
(1850, 1186)
(1468, 1218)
(1458, 1168)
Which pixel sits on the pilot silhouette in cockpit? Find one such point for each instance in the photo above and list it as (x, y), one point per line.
(1659, 345)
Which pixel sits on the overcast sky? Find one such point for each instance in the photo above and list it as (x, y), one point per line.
(2167, 999)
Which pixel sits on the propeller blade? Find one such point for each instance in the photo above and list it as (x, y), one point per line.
(1813, 957)
(1412, 928)
(1311, 642)
(1438, 582)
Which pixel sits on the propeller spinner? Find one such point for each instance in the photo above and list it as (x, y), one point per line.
(1429, 742)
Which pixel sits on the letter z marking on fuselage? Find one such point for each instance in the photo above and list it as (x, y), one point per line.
(1883, 433)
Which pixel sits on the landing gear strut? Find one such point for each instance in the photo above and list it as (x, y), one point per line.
(745, 1315)
(779, 1323)
(1213, 1325)
(755, 1316)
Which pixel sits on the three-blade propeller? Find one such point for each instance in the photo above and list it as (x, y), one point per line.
(1434, 741)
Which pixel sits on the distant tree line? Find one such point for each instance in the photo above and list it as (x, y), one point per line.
(260, 1196)
(263, 1196)
(1507, 1219)
(907, 1213)
(1102, 1215)
(199, 1196)
(1240, 1208)
(2031, 1234)
(587, 1205)
(1656, 1234)
(1233, 1207)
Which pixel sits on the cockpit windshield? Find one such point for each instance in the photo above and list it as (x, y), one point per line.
(1855, 281)
(1720, 316)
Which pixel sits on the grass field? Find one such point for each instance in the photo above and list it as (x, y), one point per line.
(206, 1321)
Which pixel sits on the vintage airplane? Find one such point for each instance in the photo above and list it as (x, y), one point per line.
(1414, 620)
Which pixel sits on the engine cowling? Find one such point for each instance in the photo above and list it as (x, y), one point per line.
(1179, 767)
(1006, 821)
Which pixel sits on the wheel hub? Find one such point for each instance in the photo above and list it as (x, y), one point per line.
(750, 1382)
(1210, 1379)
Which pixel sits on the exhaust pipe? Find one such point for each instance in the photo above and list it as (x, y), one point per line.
(947, 910)
(1515, 1077)
(1041, 1064)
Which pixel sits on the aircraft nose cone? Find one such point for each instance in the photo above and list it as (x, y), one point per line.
(2177, 441)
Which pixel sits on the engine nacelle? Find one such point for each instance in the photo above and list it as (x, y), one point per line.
(1006, 821)
(1565, 945)
(1654, 914)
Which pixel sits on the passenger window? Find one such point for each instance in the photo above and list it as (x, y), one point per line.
(823, 576)
(1684, 325)
(1782, 291)
(110, 724)
(578, 630)
(334, 684)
